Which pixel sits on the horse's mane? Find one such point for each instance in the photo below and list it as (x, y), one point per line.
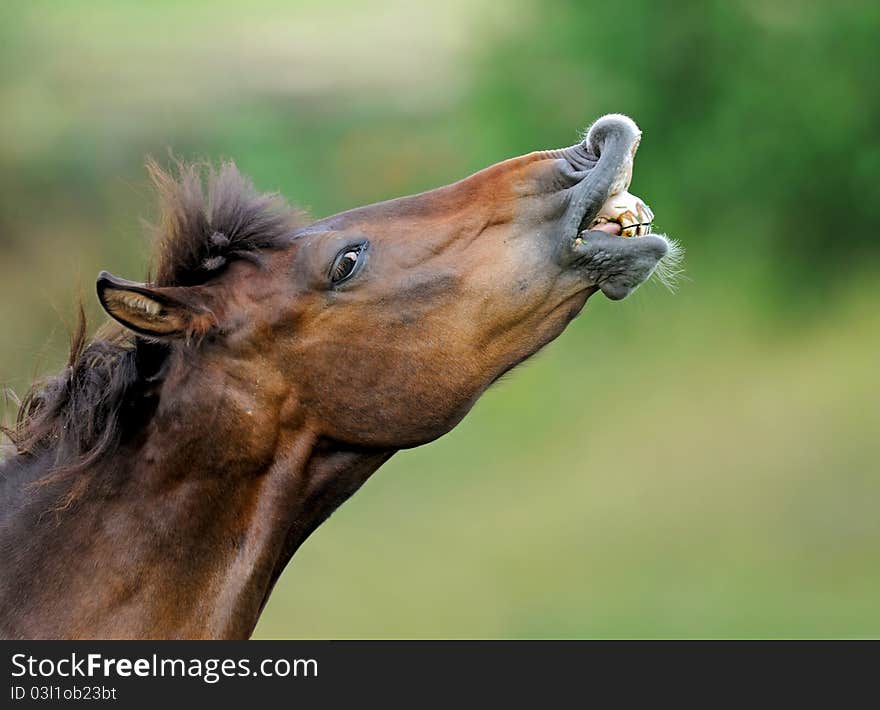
(208, 218)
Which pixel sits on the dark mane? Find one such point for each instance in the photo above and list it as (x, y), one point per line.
(208, 218)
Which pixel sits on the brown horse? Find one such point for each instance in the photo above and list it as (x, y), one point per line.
(162, 481)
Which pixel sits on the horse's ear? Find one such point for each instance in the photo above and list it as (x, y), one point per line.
(166, 312)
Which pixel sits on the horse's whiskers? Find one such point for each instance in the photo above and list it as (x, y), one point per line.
(669, 269)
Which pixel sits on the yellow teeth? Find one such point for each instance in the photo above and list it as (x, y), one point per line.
(633, 215)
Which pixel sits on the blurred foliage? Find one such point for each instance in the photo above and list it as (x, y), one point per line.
(701, 465)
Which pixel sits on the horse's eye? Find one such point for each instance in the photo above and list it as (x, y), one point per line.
(345, 264)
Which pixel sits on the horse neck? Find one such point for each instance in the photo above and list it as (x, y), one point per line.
(205, 511)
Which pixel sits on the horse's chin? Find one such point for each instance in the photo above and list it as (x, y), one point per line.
(619, 265)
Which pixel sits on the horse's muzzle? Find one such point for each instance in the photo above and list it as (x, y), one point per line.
(602, 213)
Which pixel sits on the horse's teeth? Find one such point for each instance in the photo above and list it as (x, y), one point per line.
(627, 209)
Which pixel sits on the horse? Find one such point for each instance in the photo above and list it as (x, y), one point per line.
(160, 483)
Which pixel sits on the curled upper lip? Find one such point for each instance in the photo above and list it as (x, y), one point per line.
(605, 158)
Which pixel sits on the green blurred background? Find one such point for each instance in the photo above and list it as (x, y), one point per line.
(700, 464)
